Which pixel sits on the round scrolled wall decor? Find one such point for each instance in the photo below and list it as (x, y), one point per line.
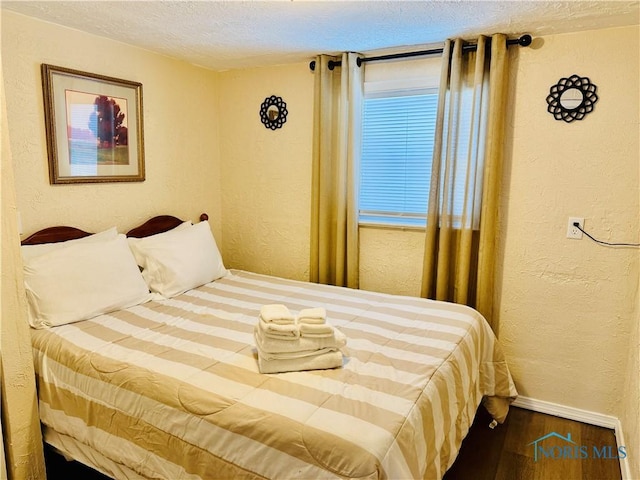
(273, 112)
(571, 98)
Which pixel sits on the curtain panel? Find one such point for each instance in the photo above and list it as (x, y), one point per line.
(336, 147)
(460, 244)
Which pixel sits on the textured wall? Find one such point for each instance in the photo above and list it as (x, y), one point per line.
(180, 123)
(22, 442)
(266, 188)
(567, 307)
(391, 260)
(629, 409)
(182, 179)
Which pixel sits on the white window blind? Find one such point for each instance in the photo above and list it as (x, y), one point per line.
(397, 148)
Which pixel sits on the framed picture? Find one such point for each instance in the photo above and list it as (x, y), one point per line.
(94, 127)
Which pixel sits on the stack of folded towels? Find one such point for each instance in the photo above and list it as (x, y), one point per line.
(287, 343)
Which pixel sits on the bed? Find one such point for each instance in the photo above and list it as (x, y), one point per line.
(169, 387)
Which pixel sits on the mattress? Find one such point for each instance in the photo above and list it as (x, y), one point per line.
(171, 388)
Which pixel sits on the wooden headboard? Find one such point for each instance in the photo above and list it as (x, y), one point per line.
(54, 235)
(154, 225)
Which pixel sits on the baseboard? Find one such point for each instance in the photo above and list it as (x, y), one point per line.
(579, 415)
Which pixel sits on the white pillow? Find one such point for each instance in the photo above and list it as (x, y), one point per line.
(81, 281)
(178, 260)
(32, 251)
(140, 258)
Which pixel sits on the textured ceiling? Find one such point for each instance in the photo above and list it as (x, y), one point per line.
(236, 34)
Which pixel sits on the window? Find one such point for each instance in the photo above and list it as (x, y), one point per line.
(397, 148)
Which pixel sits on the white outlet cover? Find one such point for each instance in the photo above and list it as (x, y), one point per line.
(573, 232)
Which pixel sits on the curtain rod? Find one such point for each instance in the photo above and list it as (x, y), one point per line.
(523, 41)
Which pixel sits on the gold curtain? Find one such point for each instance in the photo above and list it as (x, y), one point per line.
(460, 246)
(336, 144)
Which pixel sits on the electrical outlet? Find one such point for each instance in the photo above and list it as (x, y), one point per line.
(573, 231)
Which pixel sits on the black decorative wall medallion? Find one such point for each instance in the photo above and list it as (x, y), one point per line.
(572, 98)
(273, 112)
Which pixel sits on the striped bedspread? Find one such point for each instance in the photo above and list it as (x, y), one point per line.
(171, 389)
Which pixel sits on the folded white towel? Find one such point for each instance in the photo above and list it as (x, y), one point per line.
(273, 345)
(278, 331)
(316, 330)
(277, 313)
(312, 315)
(316, 362)
(292, 355)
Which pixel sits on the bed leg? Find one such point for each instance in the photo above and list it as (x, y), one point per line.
(493, 424)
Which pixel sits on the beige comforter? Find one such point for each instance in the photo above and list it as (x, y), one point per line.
(171, 389)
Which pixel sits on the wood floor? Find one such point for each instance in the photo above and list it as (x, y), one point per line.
(504, 453)
(507, 453)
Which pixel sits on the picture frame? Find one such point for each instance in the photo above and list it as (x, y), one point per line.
(94, 127)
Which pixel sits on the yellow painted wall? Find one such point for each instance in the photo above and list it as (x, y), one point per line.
(21, 437)
(630, 404)
(183, 179)
(266, 187)
(566, 307)
(180, 131)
